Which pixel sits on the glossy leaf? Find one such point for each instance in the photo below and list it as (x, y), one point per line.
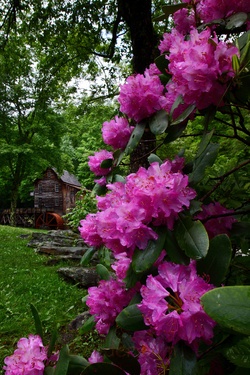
(174, 252)
(103, 369)
(143, 260)
(112, 340)
(204, 143)
(217, 260)
(37, 320)
(88, 325)
(183, 361)
(131, 319)
(236, 20)
(177, 102)
(229, 306)
(107, 163)
(152, 158)
(63, 362)
(192, 238)
(132, 277)
(87, 256)
(76, 365)
(135, 138)
(184, 115)
(103, 272)
(170, 9)
(162, 63)
(174, 132)
(52, 342)
(239, 353)
(124, 360)
(159, 122)
(206, 159)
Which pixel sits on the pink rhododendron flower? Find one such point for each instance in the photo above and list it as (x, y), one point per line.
(96, 160)
(201, 68)
(88, 231)
(28, 358)
(150, 196)
(106, 301)
(220, 225)
(171, 304)
(95, 357)
(121, 265)
(141, 96)
(210, 10)
(154, 352)
(116, 133)
(184, 20)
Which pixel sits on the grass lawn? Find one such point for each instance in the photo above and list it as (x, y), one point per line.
(25, 279)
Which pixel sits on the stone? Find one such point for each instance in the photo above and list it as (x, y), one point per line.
(79, 321)
(84, 277)
(61, 250)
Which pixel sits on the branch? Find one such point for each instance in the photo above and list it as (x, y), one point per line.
(222, 178)
(243, 212)
(111, 48)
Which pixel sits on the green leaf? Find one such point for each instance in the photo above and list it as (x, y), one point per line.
(143, 260)
(103, 369)
(87, 256)
(174, 132)
(76, 364)
(107, 163)
(103, 272)
(154, 158)
(124, 360)
(236, 20)
(229, 306)
(112, 341)
(206, 159)
(52, 342)
(162, 63)
(239, 353)
(88, 325)
(192, 237)
(159, 122)
(184, 115)
(217, 260)
(175, 253)
(38, 323)
(204, 143)
(132, 277)
(131, 319)
(48, 370)
(183, 361)
(119, 178)
(236, 63)
(135, 138)
(177, 102)
(63, 362)
(240, 371)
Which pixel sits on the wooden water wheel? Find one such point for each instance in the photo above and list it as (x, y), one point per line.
(49, 220)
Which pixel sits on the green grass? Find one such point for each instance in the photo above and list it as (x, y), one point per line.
(25, 279)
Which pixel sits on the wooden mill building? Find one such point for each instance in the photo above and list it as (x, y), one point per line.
(54, 194)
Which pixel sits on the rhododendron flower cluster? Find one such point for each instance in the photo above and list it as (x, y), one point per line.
(96, 160)
(28, 358)
(141, 96)
(200, 67)
(150, 196)
(106, 301)
(116, 133)
(219, 225)
(154, 352)
(171, 304)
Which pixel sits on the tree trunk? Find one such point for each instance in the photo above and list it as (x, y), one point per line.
(138, 17)
(13, 205)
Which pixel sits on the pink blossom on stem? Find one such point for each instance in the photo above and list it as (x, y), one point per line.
(141, 96)
(154, 352)
(201, 68)
(95, 357)
(28, 358)
(210, 10)
(106, 301)
(96, 160)
(116, 133)
(171, 300)
(219, 225)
